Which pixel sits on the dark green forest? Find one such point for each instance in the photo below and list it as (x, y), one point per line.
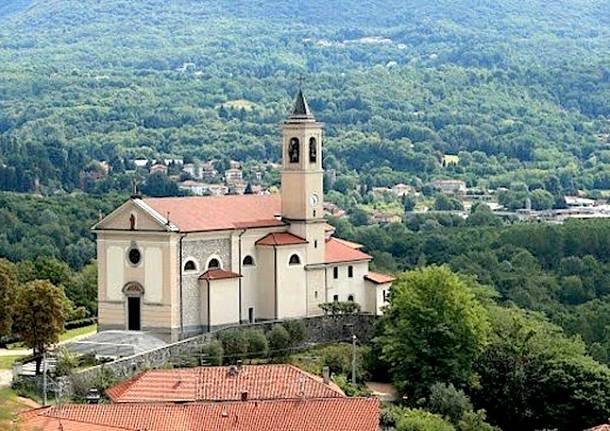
(519, 89)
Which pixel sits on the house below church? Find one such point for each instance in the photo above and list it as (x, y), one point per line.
(181, 266)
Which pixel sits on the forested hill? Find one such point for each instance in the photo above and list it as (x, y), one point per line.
(519, 88)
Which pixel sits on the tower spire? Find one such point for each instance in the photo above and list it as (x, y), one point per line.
(301, 110)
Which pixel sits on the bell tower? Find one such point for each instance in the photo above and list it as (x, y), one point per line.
(302, 176)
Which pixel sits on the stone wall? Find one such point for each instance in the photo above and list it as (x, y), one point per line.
(201, 250)
(320, 330)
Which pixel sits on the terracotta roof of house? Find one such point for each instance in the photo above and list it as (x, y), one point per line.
(338, 251)
(604, 427)
(262, 382)
(218, 274)
(328, 414)
(281, 238)
(379, 278)
(208, 213)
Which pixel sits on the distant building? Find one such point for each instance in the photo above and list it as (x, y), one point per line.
(158, 168)
(576, 201)
(402, 189)
(193, 187)
(380, 217)
(233, 176)
(450, 187)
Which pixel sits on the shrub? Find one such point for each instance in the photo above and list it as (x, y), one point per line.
(257, 343)
(66, 362)
(297, 331)
(337, 308)
(448, 402)
(420, 420)
(279, 341)
(234, 344)
(338, 358)
(213, 353)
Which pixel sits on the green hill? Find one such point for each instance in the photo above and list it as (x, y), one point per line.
(519, 89)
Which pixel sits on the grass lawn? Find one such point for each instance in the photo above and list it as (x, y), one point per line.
(6, 362)
(71, 333)
(10, 405)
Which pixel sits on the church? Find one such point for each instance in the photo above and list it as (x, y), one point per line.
(181, 266)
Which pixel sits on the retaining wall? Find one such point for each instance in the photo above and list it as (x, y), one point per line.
(319, 330)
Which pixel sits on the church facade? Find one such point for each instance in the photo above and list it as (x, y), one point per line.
(181, 266)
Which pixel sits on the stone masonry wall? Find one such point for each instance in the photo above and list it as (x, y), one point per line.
(320, 330)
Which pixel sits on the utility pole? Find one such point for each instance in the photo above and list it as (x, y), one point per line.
(44, 378)
(353, 359)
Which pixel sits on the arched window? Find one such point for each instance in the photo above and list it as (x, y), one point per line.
(248, 261)
(313, 150)
(190, 265)
(293, 150)
(350, 298)
(214, 264)
(294, 260)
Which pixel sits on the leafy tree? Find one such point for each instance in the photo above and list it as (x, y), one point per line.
(409, 203)
(257, 343)
(542, 200)
(448, 402)
(8, 290)
(532, 376)
(446, 203)
(434, 329)
(234, 344)
(279, 341)
(39, 316)
(213, 352)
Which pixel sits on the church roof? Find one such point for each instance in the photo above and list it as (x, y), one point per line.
(261, 382)
(378, 278)
(281, 238)
(218, 274)
(210, 213)
(301, 108)
(338, 251)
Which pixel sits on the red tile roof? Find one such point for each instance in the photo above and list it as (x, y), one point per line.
(199, 213)
(262, 382)
(349, 243)
(218, 274)
(338, 251)
(281, 238)
(327, 414)
(379, 278)
(604, 427)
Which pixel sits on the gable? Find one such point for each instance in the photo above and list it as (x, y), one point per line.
(145, 218)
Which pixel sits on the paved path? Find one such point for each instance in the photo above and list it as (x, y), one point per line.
(6, 377)
(26, 352)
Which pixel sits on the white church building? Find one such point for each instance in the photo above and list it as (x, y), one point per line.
(184, 265)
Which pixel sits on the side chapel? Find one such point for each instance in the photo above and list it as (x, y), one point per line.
(180, 266)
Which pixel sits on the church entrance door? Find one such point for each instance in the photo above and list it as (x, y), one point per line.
(133, 313)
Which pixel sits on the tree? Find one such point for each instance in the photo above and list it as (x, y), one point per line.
(542, 200)
(359, 217)
(159, 185)
(39, 316)
(448, 402)
(8, 288)
(534, 377)
(445, 203)
(278, 339)
(409, 203)
(257, 343)
(234, 344)
(433, 330)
